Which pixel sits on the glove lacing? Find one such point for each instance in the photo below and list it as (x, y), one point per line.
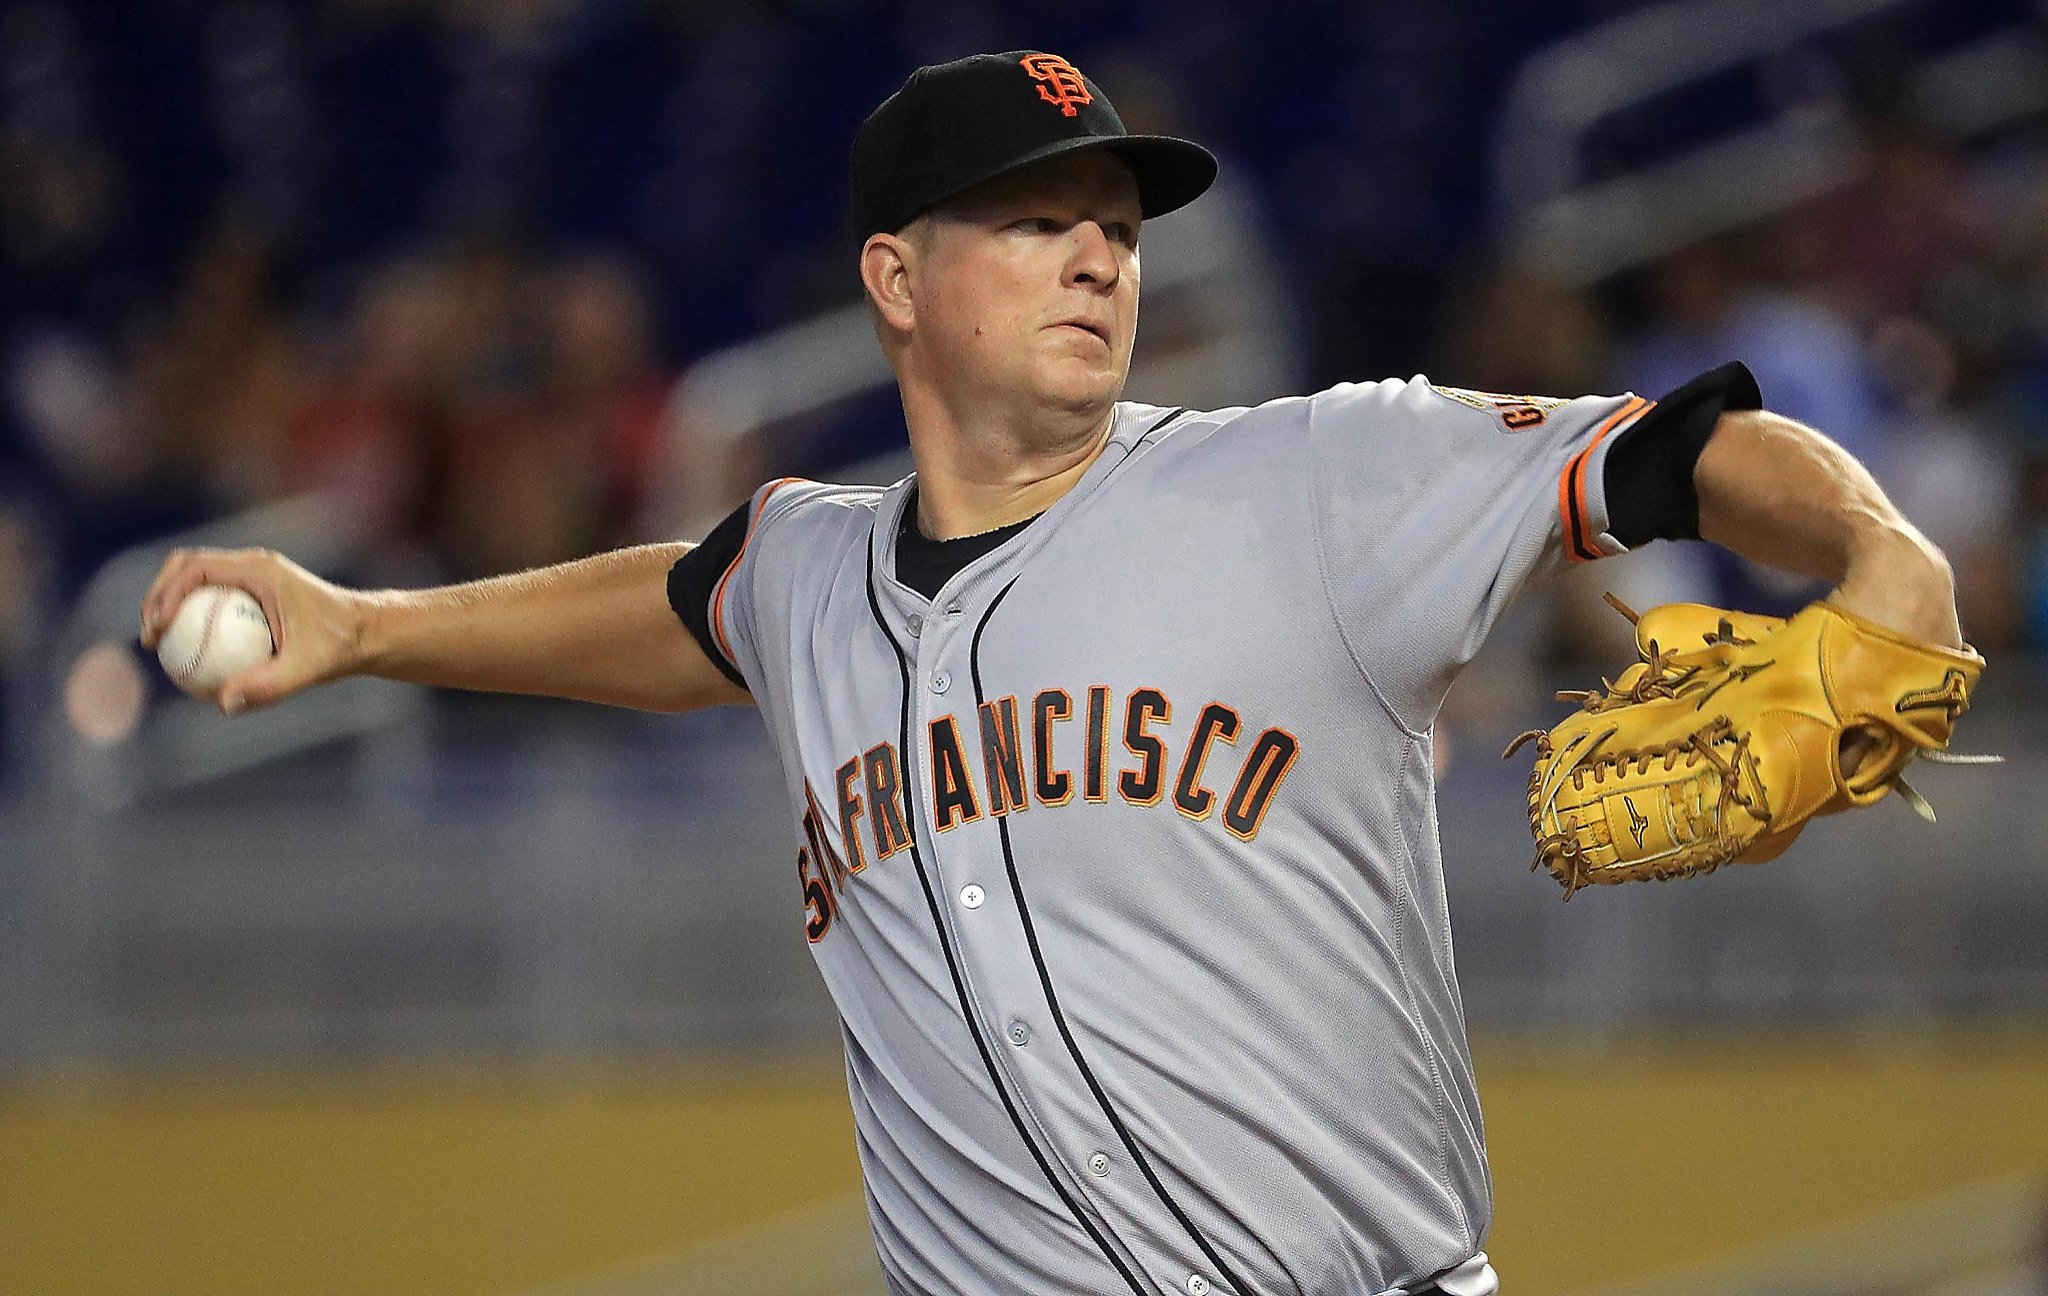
(1659, 678)
(1691, 819)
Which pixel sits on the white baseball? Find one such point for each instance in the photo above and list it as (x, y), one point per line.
(218, 633)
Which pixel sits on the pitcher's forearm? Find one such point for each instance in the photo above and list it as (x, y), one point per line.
(598, 629)
(1781, 494)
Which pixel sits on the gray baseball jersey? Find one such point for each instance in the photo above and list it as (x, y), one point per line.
(1120, 857)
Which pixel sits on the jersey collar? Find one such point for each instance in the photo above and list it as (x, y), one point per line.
(1130, 424)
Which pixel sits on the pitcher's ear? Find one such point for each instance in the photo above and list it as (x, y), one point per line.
(885, 271)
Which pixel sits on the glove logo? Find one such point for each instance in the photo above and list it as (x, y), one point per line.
(1951, 695)
(1636, 821)
(1060, 82)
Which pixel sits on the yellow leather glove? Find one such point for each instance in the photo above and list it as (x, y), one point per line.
(1726, 738)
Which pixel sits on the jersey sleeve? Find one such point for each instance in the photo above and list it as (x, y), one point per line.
(1435, 505)
(711, 588)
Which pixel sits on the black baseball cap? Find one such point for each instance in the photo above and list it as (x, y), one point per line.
(954, 125)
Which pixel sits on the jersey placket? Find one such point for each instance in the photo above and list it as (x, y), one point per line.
(967, 867)
(998, 966)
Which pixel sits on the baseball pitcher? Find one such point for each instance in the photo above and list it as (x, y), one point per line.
(1107, 733)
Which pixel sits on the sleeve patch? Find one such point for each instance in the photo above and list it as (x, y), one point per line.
(1514, 413)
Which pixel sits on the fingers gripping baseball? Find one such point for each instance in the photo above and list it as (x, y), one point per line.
(314, 625)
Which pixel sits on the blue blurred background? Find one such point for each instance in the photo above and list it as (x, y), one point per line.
(399, 991)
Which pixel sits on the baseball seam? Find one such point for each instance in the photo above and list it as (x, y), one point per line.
(191, 667)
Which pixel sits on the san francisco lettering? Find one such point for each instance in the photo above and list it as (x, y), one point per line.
(1007, 757)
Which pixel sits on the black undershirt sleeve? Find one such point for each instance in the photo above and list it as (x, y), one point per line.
(697, 573)
(1650, 491)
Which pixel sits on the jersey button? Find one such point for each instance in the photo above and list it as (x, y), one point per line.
(1198, 1285)
(1098, 1165)
(971, 896)
(1020, 1034)
(941, 682)
(916, 624)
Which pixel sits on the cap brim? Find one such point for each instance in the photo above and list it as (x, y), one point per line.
(1171, 173)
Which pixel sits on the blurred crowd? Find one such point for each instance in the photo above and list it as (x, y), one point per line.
(445, 263)
(1905, 314)
(475, 410)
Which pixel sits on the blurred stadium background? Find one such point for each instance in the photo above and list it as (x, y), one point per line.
(389, 991)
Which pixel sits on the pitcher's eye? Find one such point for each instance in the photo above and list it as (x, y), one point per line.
(1034, 225)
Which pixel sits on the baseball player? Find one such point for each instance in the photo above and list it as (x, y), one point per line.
(1107, 733)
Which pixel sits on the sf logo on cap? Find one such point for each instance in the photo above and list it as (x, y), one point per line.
(1059, 82)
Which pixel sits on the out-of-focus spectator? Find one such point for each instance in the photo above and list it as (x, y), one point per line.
(1713, 302)
(1902, 254)
(61, 205)
(95, 466)
(1219, 326)
(489, 411)
(547, 458)
(603, 375)
(1878, 245)
(362, 431)
(219, 382)
(1951, 475)
(1518, 328)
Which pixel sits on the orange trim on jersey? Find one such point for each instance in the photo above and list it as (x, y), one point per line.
(885, 798)
(1207, 735)
(1002, 735)
(1576, 522)
(718, 597)
(952, 785)
(817, 896)
(1044, 773)
(821, 842)
(1249, 778)
(850, 809)
(1135, 720)
(1095, 764)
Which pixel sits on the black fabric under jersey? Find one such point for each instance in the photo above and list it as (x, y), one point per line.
(1650, 496)
(1650, 491)
(926, 565)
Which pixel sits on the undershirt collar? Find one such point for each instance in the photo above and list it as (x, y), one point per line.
(925, 565)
